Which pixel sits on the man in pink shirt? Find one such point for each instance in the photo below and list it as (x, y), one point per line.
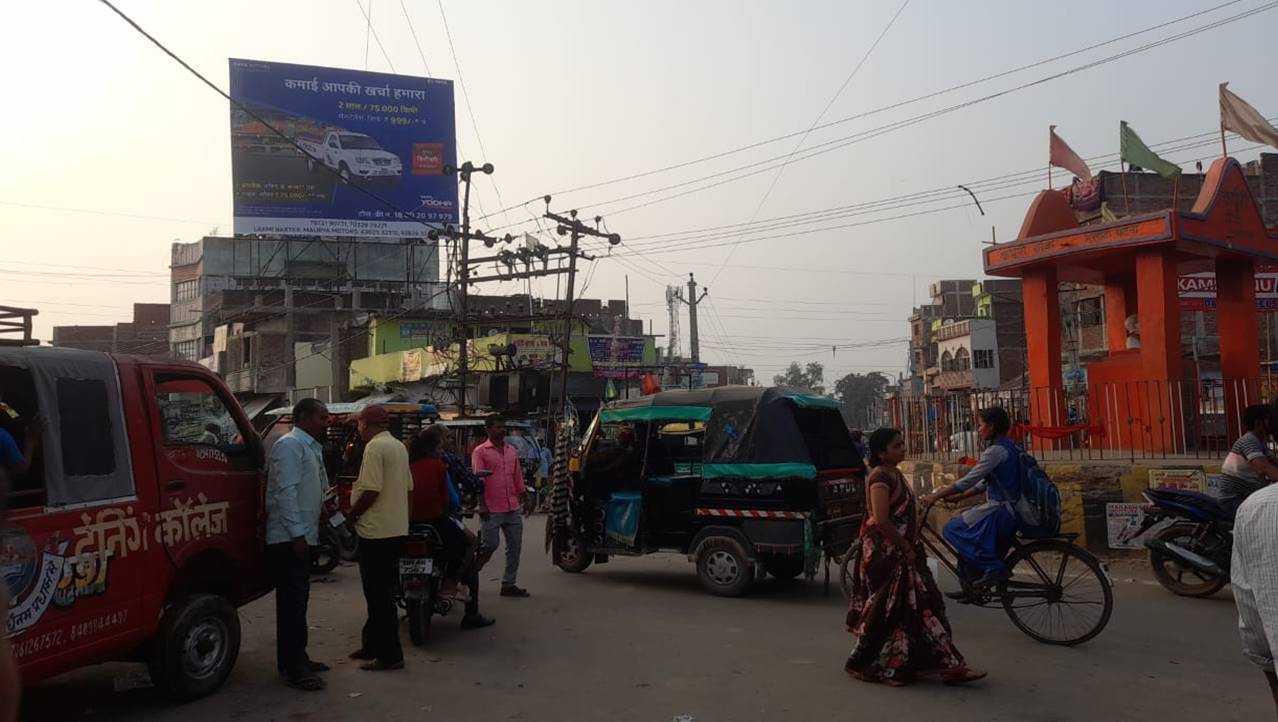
(503, 496)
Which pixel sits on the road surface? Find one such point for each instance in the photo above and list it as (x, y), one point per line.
(637, 639)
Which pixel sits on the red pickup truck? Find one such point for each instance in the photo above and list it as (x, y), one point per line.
(137, 530)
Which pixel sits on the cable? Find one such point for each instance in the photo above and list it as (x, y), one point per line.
(368, 17)
(781, 170)
(470, 110)
(900, 104)
(845, 141)
(416, 42)
(318, 162)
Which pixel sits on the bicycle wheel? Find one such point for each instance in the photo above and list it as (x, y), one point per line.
(847, 567)
(1057, 593)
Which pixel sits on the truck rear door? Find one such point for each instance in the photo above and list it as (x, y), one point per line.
(209, 472)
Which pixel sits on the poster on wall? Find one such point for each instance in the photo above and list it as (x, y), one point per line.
(1190, 479)
(375, 150)
(1122, 522)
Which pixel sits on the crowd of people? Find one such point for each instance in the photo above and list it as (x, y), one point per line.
(399, 484)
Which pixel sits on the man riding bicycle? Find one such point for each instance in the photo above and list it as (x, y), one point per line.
(982, 535)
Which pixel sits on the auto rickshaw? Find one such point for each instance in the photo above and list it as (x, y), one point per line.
(738, 478)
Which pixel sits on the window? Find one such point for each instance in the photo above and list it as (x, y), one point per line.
(983, 359)
(187, 290)
(193, 414)
(17, 392)
(88, 448)
(947, 361)
(962, 360)
(1089, 312)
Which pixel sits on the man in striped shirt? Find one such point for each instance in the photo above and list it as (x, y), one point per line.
(1248, 467)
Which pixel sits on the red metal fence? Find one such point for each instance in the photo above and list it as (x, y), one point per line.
(1127, 420)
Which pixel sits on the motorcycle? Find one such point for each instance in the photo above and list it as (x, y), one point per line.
(337, 541)
(1190, 552)
(421, 571)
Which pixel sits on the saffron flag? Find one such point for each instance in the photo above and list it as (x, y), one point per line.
(1138, 155)
(1237, 115)
(1062, 156)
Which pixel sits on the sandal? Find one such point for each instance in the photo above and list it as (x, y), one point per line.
(305, 682)
(962, 675)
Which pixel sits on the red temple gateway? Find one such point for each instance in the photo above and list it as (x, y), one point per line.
(1138, 398)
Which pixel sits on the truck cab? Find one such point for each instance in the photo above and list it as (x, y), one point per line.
(137, 530)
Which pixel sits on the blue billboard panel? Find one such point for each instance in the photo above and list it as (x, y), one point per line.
(377, 146)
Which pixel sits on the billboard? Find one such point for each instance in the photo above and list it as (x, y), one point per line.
(1197, 291)
(616, 356)
(379, 144)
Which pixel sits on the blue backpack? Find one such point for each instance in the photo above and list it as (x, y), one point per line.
(1038, 511)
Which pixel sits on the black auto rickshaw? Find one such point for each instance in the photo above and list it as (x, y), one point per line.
(736, 477)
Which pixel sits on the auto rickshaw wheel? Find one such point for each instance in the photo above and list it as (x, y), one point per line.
(572, 554)
(723, 566)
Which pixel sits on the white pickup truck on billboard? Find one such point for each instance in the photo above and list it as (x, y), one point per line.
(353, 154)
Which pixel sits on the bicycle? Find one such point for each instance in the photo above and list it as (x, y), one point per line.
(1041, 595)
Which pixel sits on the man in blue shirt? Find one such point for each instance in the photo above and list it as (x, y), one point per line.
(294, 496)
(17, 460)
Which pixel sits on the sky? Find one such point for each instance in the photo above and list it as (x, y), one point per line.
(113, 151)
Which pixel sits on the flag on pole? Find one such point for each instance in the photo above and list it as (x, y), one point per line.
(1062, 156)
(1237, 115)
(1138, 155)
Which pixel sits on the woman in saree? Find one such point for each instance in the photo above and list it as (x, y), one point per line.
(896, 611)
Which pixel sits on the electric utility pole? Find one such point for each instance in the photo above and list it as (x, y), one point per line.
(694, 342)
(463, 275)
(574, 229)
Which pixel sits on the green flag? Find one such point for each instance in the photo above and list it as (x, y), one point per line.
(1138, 155)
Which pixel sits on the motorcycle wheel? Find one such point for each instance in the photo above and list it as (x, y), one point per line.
(1178, 578)
(348, 546)
(419, 613)
(324, 556)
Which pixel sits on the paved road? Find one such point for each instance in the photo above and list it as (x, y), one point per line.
(637, 639)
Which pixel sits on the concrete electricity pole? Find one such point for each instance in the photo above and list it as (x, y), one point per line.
(574, 229)
(463, 280)
(694, 342)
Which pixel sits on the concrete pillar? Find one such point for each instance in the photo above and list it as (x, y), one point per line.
(1161, 394)
(1039, 293)
(1239, 338)
(1120, 302)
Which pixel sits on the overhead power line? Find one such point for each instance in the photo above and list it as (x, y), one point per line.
(845, 141)
(368, 19)
(781, 170)
(420, 53)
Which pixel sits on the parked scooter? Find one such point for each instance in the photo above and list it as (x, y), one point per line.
(1190, 553)
(337, 540)
(421, 571)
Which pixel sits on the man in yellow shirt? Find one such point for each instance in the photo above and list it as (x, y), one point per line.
(379, 512)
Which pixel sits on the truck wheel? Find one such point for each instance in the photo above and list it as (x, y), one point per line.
(723, 567)
(196, 647)
(344, 171)
(572, 556)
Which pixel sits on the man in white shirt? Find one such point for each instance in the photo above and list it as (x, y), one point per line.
(1254, 572)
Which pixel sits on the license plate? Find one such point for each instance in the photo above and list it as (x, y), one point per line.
(337, 519)
(416, 566)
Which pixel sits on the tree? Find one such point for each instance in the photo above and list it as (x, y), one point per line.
(862, 397)
(811, 376)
